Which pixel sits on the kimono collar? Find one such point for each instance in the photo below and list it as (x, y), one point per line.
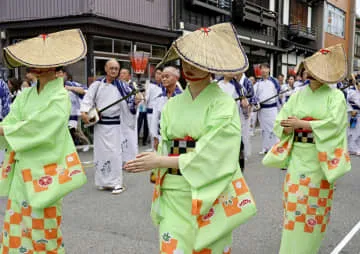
(176, 91)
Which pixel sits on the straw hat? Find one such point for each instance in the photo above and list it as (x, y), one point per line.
(328, 65)
(216, 49)
(47, 50)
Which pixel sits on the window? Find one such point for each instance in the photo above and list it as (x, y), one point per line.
(335, 21)
(103, 44)
(122, 47)
(262, 3)
(357, 44)
(143, 47)
(158, 51)
(298, 13)
(108, 45)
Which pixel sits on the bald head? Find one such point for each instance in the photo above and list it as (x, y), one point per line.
(170, 76)
(112, 68)
(172, 71)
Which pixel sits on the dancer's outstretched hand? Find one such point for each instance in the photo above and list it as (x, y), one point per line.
(143, 162)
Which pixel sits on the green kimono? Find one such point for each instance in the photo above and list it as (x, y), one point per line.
(198, 210)
(315, 160)
(41, 166)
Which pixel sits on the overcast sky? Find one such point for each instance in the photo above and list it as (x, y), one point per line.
(358, 7)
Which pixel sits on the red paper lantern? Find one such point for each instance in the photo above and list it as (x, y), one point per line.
(257, 70)
(139, 61)
(291, 71)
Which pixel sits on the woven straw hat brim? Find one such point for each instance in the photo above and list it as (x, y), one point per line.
(216, 49)
(53, 50)
(330, 67)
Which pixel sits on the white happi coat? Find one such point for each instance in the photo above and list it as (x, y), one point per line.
(107, 138)
(152, 95)
(155, 122)
(75, 108)
(245, 125)
(267, 116)
(230, 89)
(129, 144)
(253, 117)
(353, 99)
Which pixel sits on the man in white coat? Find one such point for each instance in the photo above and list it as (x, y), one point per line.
(107, 132)
(129, 146)
(152, 95)
(353, 99)
(169, 77)
(266, 88)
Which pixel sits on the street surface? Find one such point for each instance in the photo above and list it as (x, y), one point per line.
(97, 222)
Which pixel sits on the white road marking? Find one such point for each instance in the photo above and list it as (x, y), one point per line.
(347, 239)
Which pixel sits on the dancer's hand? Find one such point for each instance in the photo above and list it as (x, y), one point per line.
(143, 162)
(295, 123)
(291, 122)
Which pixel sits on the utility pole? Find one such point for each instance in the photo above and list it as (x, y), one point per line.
(351, 42)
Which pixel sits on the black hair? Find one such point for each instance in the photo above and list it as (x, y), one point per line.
(282, 75)
(61, 68)
(265, 65)
(16, 84)
(69, 76)
(291, 76)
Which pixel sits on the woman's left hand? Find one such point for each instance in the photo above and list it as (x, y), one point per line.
(292, 122)
(143, 162)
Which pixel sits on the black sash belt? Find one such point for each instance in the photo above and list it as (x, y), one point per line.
(108, 120)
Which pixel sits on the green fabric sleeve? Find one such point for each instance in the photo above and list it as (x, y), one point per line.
(330, 129)
(284, 113)
(209, 169)
(331, 139)
(39, 128)
(13, 116)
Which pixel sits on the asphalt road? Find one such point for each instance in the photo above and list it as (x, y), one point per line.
(97, 222)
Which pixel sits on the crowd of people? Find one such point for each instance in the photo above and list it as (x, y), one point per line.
(199, 137)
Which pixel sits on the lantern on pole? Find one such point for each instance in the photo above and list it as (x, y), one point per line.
(139, 62)
(291, 71)
(257, 71)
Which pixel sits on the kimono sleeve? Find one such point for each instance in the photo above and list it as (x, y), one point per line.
(279, 154)
(39, 128)
(210, 167)
(331, 140)
(285, 112)
(13, 117)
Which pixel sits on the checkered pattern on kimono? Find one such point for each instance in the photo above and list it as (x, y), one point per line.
(31, 231)
(307, 205)
(180, 146)
(304, 137)
(51, 171)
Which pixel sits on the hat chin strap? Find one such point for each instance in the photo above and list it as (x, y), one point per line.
(194, 79)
